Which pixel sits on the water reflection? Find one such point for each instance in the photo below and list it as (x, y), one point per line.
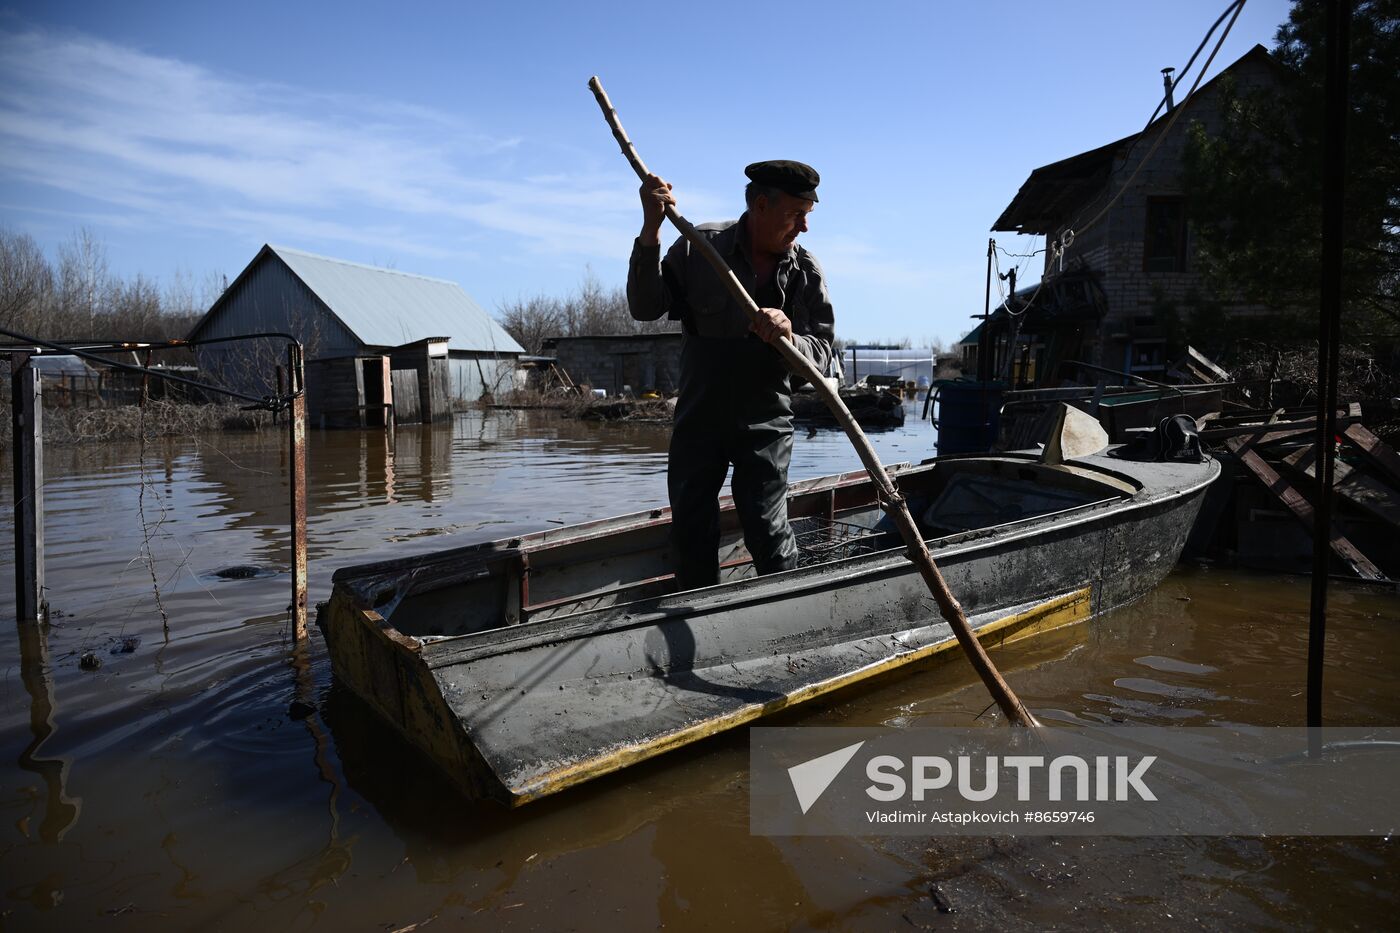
(60, 811)
(334, 859)
(224, 781)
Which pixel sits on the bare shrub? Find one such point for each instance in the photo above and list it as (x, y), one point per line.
(161, 418)
(592, 310)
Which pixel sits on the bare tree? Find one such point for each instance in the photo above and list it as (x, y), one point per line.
(592, 310)
(531, 320)
(26, 281)
(132, 311)
(83, 279)
(81, 299)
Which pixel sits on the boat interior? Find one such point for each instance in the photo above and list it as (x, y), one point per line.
(562, 572)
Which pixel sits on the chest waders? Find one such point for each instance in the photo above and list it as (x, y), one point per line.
(735, 407)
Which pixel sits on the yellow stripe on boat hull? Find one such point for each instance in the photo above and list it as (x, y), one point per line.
(1069, 609)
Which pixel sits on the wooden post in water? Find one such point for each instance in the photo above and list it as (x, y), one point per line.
(27, 430)
(296, 429)
(890, 499)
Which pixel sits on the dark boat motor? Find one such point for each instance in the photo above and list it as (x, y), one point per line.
(1180, 441)
(1175, 440)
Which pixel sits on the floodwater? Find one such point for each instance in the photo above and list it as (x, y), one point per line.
(208, 776)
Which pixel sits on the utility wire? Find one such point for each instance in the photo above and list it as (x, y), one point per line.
(1181, 76)
(1057, 248)
(1238, 6)
(1010, 255)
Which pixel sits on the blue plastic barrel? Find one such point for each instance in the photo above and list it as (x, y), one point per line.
(968, 415)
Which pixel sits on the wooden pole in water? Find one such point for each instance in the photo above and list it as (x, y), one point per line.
(890, 499)
(27, 431)
(296, 429)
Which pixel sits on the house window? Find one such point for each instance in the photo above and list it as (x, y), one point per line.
(1164, 245)
(1147, 355)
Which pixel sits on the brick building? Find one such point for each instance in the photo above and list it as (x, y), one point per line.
(1108, 299)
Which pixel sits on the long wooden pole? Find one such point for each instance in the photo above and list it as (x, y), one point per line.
(890, 499)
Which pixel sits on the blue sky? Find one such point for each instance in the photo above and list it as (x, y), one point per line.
(459, 140)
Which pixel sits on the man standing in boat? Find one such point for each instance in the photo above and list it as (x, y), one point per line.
(735, 404)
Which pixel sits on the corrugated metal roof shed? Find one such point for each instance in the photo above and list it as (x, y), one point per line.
(385, 307)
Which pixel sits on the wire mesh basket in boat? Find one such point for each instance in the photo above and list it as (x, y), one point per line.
(821, 540)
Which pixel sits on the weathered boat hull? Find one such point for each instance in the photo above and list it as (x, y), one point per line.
(585, 686)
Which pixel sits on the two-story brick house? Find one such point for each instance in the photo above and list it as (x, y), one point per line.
(1127, 260)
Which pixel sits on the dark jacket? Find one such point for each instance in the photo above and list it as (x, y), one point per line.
(684, 287)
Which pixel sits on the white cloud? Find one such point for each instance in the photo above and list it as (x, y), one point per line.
(116, 136)
(173, 142)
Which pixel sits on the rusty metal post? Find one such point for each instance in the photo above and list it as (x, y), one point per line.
(27, 427)
(1335, 106)
(296, 426)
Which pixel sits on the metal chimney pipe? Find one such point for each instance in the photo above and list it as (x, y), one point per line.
(1167, 84)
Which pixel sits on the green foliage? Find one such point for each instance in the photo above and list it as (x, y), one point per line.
(1256, 188)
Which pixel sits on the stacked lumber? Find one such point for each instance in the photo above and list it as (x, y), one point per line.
(1277, 488)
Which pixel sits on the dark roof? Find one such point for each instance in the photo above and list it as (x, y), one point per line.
(973, 336)
(1052, 191)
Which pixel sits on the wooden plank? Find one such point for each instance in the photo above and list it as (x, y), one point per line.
(1354, 486)
(406, 397)
(1243, 448)
(1378, 451)
(1245, 415)
(1243, 430)
(1264, 440)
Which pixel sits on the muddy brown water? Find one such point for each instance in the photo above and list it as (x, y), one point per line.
(206, 776)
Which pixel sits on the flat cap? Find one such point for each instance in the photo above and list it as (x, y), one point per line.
(792, 178)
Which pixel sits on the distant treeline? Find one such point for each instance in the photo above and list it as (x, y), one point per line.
(76, 297)
(590, 310)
